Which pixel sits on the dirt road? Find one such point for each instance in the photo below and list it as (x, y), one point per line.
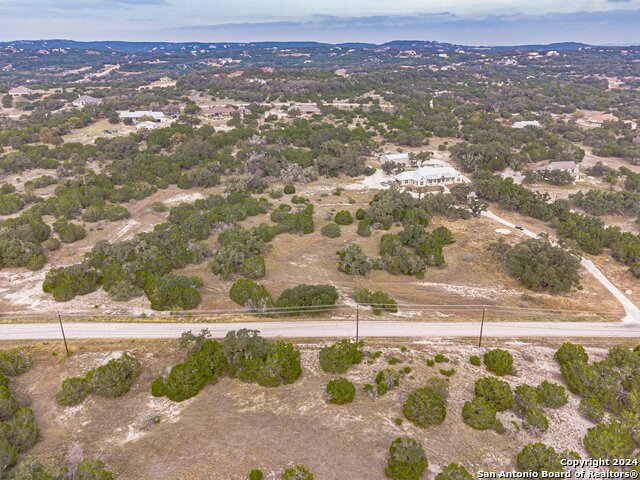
(321, 329)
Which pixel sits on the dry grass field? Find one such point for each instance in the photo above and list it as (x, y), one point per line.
(232, 427)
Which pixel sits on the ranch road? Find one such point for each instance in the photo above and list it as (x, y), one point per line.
(320, 329)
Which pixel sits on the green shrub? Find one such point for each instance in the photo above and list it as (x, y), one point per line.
(495, 391)
(592, 408)
(174, 292)
(314, 298)
(425, 407)
(386, 380)
(454, 471)
(499, 362)
(360, 214)
(14, 362)
(92, 470)
(250, 294)
(255, 474)
(609, 440)
(116, 377)
(330, 230)
(338, 357)
(525, 398)
(253, 267)
(353, 261)
(159, 207)
(406, 460)
(73, 392)
(475, 360)
(441, 358)
(535, 420)
(8, 455)
(552, 395)
(343, 217)
(364, 228)
(113, 379)
(430, 362)
(479, 413)
(52, 244)
(299, 472)
(24, 430)
(448, 372)
(4, 380)
(571, 352)
(399, 421)
(537, 457)
(157, 387)
(394, 361)
(276, 193)
(184, 381)
(69, 232)
(28, 470)
(379, 300)
(340, 391)
(289, 189)
(8, 405)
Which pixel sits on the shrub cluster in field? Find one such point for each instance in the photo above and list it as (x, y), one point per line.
(340, 391)
(243, 354)
(379, 301)
(339, 356)
(611, 385)
(113, 379)
(143, 264)
(292, 301)
(87, 469)
(18, 428)
(540, 265)
(493, 395)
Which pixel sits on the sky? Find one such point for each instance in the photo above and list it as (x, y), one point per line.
(467, 22)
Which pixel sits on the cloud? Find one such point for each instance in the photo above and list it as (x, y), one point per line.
(599, 27)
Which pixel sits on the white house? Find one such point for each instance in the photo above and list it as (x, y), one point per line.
(565, 166)
(394, 157)
(83, 100)
(138, 114)
(526, 123)
(429, 176)
(19, 91)
(146, 126)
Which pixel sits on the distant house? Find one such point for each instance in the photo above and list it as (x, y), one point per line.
(429, 176)
(565, 166)
(600, 118)
(138, 114)
(220, 112)
(19, 91)
(84, 100)
(526, 123)
(306, 109)
(394, 157)
(146, 126)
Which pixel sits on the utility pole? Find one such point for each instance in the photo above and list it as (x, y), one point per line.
(66, 347)
(484, 311)
(357, 322)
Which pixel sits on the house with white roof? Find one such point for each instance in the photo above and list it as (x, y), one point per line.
(147, 126)
(564, 166)
(138, 114)
(429, 176)
(84, 100)
(19, 91)
(526, 123)
(394, 157)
